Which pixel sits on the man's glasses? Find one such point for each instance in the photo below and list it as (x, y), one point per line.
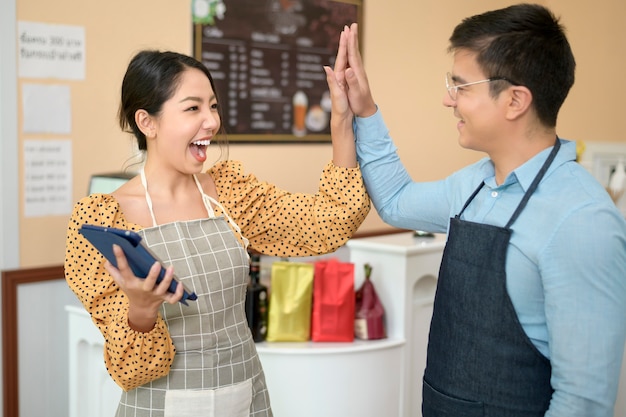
(453, 89)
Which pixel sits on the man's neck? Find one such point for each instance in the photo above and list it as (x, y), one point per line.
(518, 152)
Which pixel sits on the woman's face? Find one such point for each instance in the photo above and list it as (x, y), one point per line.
(187, 123)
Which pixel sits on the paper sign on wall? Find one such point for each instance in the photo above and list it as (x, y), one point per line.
(46, 109)
(47, 177)
(51, 51)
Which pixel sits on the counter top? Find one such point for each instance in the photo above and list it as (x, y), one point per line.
(406, 243)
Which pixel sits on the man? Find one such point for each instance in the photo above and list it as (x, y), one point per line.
(529, 315)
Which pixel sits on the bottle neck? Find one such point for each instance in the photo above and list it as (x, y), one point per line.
(255, 268)
(254, 275)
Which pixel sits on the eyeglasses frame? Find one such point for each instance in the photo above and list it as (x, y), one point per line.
(456, 87)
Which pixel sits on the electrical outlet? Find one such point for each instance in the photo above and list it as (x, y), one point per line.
(601, 159)
(606, 167)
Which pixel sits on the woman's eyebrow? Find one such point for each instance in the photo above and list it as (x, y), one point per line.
(196, 99)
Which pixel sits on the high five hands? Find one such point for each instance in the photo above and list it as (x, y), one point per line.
(349, 88)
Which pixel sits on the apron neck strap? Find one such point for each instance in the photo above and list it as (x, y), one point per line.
(529, 192)
(148, 199)
(535, 183)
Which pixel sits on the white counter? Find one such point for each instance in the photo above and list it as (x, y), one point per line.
(365, 378)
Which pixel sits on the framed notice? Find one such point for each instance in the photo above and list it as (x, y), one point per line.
(266, 58)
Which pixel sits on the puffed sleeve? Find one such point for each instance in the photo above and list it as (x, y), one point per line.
(132, 358)
(280, 223)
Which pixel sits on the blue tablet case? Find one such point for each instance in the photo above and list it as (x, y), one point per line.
(139, 257)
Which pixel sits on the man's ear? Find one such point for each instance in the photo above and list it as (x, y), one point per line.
(145, 123)
(519, 101)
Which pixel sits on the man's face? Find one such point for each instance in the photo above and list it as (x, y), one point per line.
(481, 116)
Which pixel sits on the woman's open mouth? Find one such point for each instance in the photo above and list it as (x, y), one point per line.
(198, 149)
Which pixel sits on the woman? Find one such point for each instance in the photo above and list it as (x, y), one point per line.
(198, 359)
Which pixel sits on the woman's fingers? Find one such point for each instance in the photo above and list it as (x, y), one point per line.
(135, 286)
(163, 287)
(341, 60)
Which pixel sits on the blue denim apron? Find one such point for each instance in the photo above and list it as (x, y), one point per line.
(480, 361)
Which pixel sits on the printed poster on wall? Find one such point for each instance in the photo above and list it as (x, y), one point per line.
(47, 178)
(266, 58)
(50, 51)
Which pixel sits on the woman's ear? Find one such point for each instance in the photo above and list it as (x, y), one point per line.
(520, 100)
(145, 123)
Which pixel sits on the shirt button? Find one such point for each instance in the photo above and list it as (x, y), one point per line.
(494, 194)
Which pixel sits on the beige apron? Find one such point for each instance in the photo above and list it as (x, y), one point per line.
(216, 371)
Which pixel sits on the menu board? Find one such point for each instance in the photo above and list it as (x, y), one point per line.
(266, 58)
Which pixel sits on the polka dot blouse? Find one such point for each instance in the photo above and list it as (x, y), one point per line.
(275, 222)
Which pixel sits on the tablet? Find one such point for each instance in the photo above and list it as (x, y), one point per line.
(139, 257)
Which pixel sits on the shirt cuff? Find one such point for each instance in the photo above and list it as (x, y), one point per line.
(370, 129)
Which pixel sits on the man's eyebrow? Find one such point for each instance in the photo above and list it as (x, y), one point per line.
(457, 79)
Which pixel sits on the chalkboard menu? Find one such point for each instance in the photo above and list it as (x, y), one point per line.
(266, 58)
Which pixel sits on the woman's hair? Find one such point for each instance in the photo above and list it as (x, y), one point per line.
(151, 79)
(526, 44)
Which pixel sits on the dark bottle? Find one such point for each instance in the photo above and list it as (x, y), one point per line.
(256, 301)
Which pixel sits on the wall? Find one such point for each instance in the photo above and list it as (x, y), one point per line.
(404, 45)
(9, 255)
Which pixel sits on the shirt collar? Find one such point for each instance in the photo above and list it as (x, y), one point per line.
(526, 173)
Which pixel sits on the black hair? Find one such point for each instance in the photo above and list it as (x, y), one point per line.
(524, 43)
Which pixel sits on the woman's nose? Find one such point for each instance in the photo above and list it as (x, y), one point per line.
(211, 120)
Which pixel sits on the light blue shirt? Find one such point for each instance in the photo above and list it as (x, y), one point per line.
(566, 263)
